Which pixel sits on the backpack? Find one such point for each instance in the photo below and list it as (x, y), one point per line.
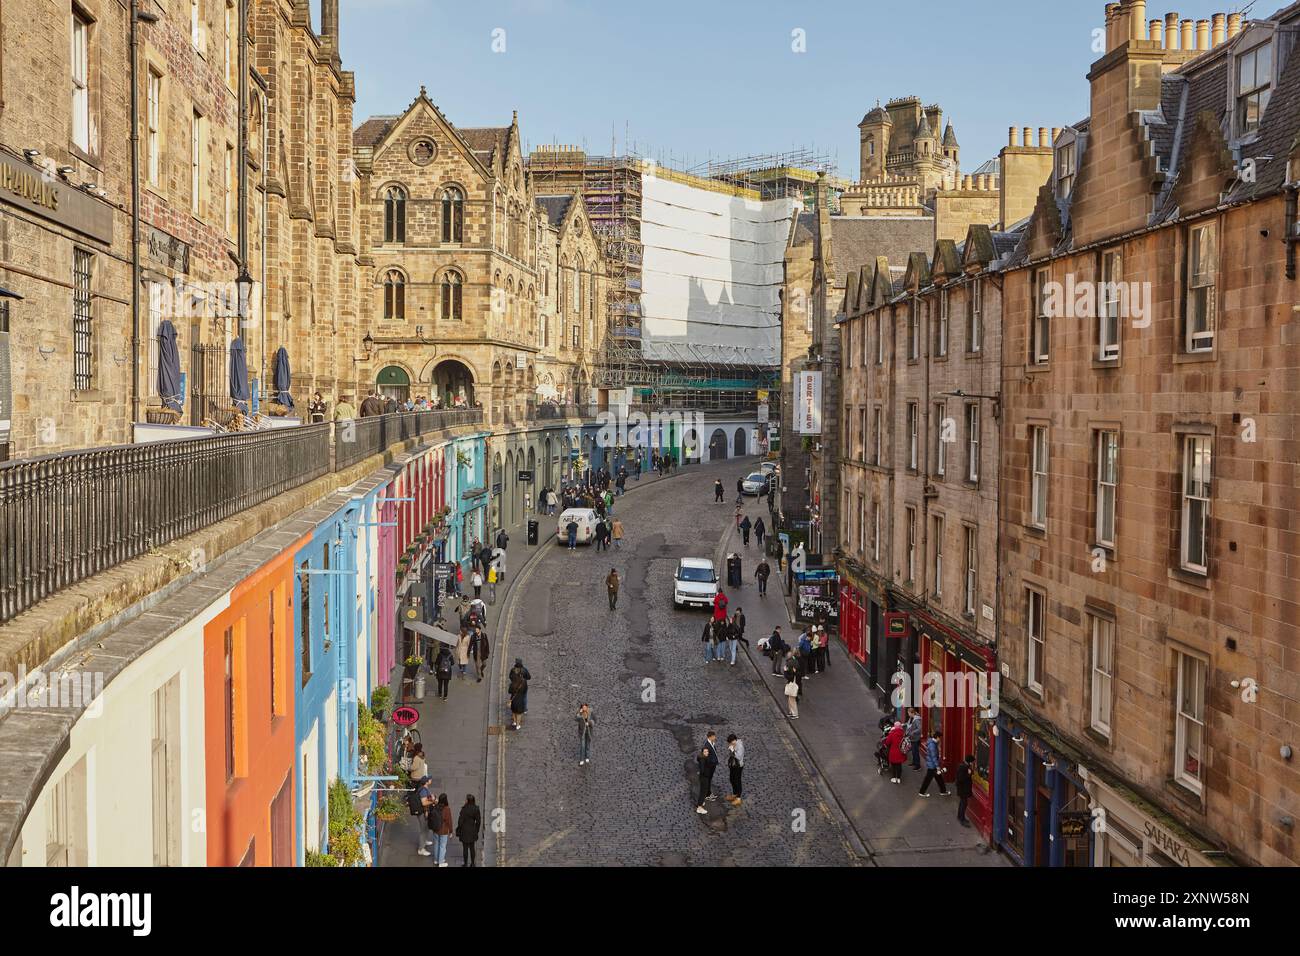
(905, 745)
(516, 683)
(413, 802)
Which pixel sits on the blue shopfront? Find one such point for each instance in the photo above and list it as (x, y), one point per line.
(1041, 811)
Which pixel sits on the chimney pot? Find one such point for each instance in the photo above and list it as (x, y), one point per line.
(1171, 31)
(1202, 34)
(1112, 15)
(1056, 131)
(1218, 30)
(1187, 40)
(1013, 137)
(1029, 136)
(1157, 31)
(1137, 14)
(1234, 24)
(1043, 141)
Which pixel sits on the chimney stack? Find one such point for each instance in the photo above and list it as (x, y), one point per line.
(1013, 137)
(1156, 30)
(1171, 31)
(1234, 24)
(1188, 41)
(1218, 30)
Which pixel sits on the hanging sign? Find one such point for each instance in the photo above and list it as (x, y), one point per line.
(405, 716)
(897, 625)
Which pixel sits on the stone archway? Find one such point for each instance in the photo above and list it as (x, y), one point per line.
(509, 487)
(742, 444)
(718, 445)
(453, 380)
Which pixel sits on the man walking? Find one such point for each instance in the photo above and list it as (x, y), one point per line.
(963, 787)
(616, 530)
(479, 651)
(736, 633)
(707, 638)
(586, 726)
(611, 585)
(503, 539)
(745, 525)
(760, 532)
(717, 491)
(736, 766)
(761, 574)
(707, 762)
(932, 769)
(777, 647)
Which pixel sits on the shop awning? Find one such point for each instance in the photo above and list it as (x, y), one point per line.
(428, 630)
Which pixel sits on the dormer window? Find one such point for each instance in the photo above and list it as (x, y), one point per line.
(1065, 170)
(1254, 85)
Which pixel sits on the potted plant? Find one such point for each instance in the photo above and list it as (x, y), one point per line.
(380, 701)
(411, 666)
(389, 808)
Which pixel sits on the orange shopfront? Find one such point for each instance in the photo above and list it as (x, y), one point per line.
(965, 710)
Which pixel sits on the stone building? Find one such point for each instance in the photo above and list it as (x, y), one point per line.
(918, 481)
(1148, 593)
(65, 228)
(450, 232)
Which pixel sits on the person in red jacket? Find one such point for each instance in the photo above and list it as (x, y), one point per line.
(894, 741)
(719, 607)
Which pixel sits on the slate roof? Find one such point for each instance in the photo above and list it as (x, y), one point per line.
(805, 228)
(555, 207)
(483, 140)
(373, 130)
(858, 240)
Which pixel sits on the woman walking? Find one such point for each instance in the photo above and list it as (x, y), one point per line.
(586, 727)
(477, 582)
(462, 651)
(467, 827)
(791, 693)
(440, 824)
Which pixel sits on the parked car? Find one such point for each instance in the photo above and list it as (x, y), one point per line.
(767, 467)
(755, 484)
(695, 583)
(586, 519)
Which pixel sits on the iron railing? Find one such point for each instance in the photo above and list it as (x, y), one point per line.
(66, 517)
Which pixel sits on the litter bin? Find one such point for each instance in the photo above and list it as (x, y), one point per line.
(733, 571)
(532, 530)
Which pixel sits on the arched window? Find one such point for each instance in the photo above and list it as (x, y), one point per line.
(577, 287)
(395, 214)
(510, 297)
(451, 286)
(394, 295)
(453, 214)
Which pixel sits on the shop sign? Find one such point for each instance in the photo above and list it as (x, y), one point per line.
(166, 251)
(1075, 823)
(1167, 845)
(525, 476)
(405, 716)
(808, 404)
(897, 625)
(818, 600)
(45, 194)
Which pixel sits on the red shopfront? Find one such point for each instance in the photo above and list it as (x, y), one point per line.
(854, 626)
(965, 711)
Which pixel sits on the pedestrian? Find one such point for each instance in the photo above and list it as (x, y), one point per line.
(418, 767)
(736, 766)
(707, 638)
(738, 622)
(815, 649)
(740, 509)
(586, 727)
(804, 648)
(519, 678)
(777, 647)
(422, 802)
(780, 554)
(913, 727)
(479, 651)
(611, 585)
(503, 539)
(477, 581)
(707, 762)
(760, 531)
(791, 693)
(745, 525)
(441, 826)
(460, 579)
(826, 642)
(468, 824)
(740, 487)
(571, 529)
(492, 585)
(462, 651)
(896, 741)
(343, 410)
(442, 667)
(720, 606)
(962, 785)
(761, 574)
(616, 529)
(717, 491)
(316, 408)
(932, 769)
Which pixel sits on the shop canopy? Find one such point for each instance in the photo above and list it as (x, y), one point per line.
(429, 630)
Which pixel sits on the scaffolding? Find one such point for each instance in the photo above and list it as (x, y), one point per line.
(788, 175)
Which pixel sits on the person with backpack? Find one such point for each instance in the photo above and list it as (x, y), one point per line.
(720, 606)
(932, 769)
(421, 801)
(519, 678)
(440, 824)
(735, 766)
(442, 668)
(586, 727)
(706, 761)
(963, 786)
(913, 728)
(761, 574)
(896, 741)
(479, 649)
(468, 825)
(503, 539)
(805, 651)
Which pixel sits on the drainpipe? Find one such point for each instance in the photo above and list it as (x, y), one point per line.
(266, 106)
(244, 280)
(135, 215)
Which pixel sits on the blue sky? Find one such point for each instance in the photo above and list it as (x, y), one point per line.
(690, 81)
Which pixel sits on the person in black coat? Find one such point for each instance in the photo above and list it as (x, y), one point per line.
(707, 762)
(963, 785)
(467, 827)
(744, 530)
(442, 667)
(717, 491)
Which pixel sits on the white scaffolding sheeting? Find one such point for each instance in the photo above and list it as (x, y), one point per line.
(712, 271)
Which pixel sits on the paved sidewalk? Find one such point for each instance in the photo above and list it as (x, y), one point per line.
(837, 724)
(455, 731)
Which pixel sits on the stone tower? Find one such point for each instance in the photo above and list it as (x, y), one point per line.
(873, 136)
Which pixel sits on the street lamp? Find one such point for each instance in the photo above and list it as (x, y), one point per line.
(368, 343)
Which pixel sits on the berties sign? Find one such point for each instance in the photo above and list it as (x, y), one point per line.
(808, 403)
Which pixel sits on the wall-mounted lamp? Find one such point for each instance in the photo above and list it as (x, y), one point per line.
(66, 171)
(31, 154)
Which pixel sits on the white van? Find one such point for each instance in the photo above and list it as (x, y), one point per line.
(586, 521)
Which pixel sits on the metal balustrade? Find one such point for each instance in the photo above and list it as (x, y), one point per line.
(66, 517)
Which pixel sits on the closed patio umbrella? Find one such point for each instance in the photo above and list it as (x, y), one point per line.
(169, 367)
(239, 393)
(280, 379)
